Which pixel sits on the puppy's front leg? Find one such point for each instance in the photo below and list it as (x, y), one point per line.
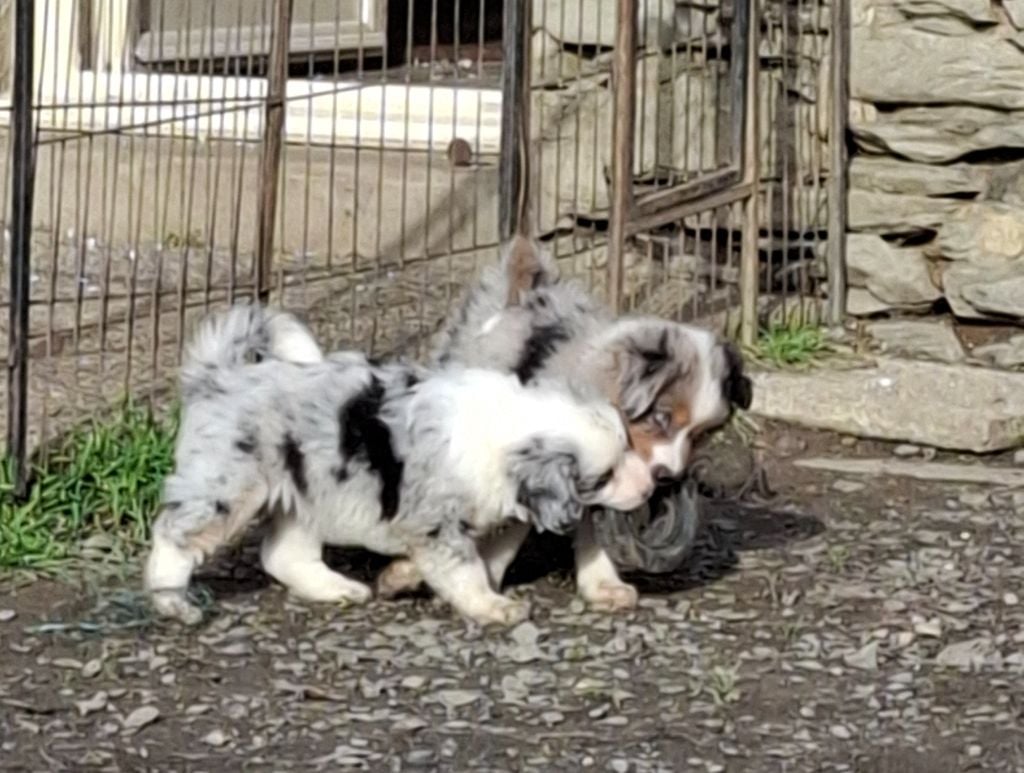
(597, 580)
(458, 574)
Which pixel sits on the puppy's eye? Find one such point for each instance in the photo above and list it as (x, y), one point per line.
(662, 420)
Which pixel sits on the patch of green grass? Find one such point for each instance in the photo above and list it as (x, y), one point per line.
(176, 241)
(789, 345)
(723, 685)
(838, 555)
(103, 478)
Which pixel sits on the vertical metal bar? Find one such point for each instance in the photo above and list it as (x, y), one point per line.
(624, 84)
(23, 172)
(514, 181)
(839, 52)
(273, 135)
(751, 176)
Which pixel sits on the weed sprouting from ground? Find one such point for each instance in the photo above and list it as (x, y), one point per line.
(791, 344)
(104, 478)
(723, 685)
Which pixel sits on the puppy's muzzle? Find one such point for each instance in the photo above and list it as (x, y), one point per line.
(631, 486)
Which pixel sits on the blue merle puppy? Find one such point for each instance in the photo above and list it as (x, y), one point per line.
(392, 458)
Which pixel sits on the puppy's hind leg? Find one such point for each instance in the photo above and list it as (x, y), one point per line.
(293, 556)
(168, 571)
(184, 535)
(400, 576)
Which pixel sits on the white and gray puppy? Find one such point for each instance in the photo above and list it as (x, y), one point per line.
(391, 458)
(673, 383)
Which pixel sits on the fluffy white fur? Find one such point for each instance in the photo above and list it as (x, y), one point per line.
(427, 465)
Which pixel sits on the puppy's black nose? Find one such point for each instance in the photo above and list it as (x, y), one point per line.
(662, 475)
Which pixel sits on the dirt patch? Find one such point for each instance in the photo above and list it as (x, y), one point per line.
(850, 625)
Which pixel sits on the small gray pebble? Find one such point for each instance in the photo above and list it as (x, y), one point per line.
(906, 449)
(848, 486)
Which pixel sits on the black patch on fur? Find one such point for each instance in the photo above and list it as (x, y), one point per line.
(537, 302)
(341, 474)
(246, 444)
(596, 484)
(221, 507)
(465, 527)
(737, 388)
(655, 359)
(411, 380)
(434, 533)
(541, 344)
(365, 436)
(295, 463)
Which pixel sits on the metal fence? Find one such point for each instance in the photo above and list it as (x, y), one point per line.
(358, 161)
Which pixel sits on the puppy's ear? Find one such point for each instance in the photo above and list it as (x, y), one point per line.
(737, 388)
(527, 268)
(645, 365)
(545, 482)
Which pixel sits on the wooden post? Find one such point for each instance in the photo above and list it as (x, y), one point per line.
(273, 138)
(514, 171)
(749, 254)
(624, 85)
(837, 189)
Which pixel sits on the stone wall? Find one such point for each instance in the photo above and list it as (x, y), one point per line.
(936, 199)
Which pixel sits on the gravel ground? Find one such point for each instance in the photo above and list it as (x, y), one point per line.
(849, 626)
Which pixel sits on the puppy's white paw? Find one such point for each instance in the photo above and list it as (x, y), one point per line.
(400, 576)
(332, 588)
(501, 610)
(610, 595)
(173, 604)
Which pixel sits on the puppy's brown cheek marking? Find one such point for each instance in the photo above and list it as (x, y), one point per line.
(680, 417)
(642, 440)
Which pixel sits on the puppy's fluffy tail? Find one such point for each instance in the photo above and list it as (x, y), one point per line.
(227, 340)
(526, 266)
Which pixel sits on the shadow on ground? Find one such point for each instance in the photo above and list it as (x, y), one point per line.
(729, 529)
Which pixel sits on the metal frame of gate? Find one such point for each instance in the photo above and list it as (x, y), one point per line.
(735, 184)
(631, 214)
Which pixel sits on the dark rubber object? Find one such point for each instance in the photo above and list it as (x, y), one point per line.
(658, 537)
